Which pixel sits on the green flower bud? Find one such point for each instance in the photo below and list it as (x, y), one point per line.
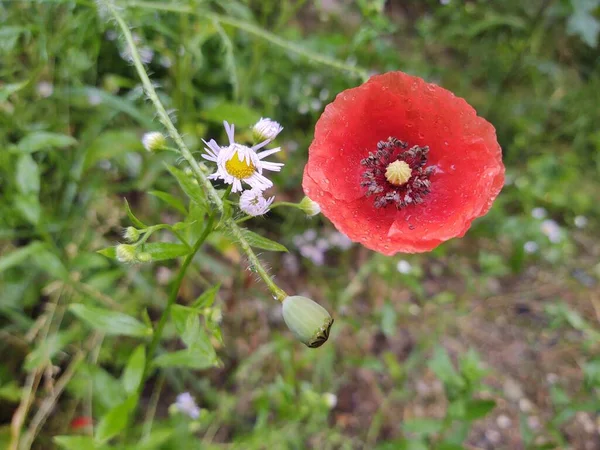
(310, 207)
(144, 257)
(308, 320)
(125, 253)
(131, 234)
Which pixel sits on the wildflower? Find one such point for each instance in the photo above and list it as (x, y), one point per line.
(552, 230)
(340, 240)
(45, 89)
(253, 203)
(81, 422)
(401, 165)
(125, 253)
(330, 399)
(307, 320)
(310, 207)
(154, 141)
(186, 404)
(266, 130)
(404, 267)
(237, 163)
(580, 221)
(538, 213)
(530, 247)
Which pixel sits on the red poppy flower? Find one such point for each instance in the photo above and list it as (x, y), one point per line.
(401, 165)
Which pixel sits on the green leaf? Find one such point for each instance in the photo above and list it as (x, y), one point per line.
(47, 348)
(476, 409)
(109, 252)
(42, 140)
(115, 420)
(50, 263)
(110, 322)
(442, 366)
(28, 175)
(10, 392)
(19, 255)
(112, 144)
(185, 358)
(241, 115)
(388, 319)
(472, 367)
(134, 371)
(583, 23)
(189, 186)
(207, 299)
(76, 442)
(161, 251)
(170, 200)
(423, 427)
(134, 220)
(29, 207)
(256, 240)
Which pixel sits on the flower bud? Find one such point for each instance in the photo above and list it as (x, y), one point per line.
(125, 253)
(131, 234)
(310, 207)
(144, 257)
(265, 130)
(154, 141)
(307, 320)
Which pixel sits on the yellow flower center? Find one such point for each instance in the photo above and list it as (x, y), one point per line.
(239, 169)
(398, 173)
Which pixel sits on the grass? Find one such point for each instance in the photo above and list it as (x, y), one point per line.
(489, 342)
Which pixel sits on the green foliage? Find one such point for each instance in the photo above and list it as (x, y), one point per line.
(73, 111)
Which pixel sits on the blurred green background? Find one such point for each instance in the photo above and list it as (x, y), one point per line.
(489, 342)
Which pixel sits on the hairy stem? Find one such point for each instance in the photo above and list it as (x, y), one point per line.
(198, 169)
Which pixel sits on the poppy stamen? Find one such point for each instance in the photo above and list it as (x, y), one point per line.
(396, 174)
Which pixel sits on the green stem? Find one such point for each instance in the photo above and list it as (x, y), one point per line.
(173, 297)
(198, 169)
(255, 264)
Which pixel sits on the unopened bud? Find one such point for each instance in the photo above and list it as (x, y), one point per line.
(307, 320)
(125, 253)
(154, 141)
(310, 207)
(131, 234)
(265, 130)
(144, 257)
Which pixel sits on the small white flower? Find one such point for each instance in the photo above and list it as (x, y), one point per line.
(237, 163)
(186, 404)
(45, 89)
(580, 221)
(266, 130)
(404, 267)
(330, 399)
(530, 247)
(538, 213)
(253, 203)
(552, 230)
(154, 141)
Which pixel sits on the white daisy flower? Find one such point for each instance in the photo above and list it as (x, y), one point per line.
(266, 129)
(237, 163)
(253, 203)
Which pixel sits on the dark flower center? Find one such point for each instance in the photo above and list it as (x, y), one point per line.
(396, 174)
